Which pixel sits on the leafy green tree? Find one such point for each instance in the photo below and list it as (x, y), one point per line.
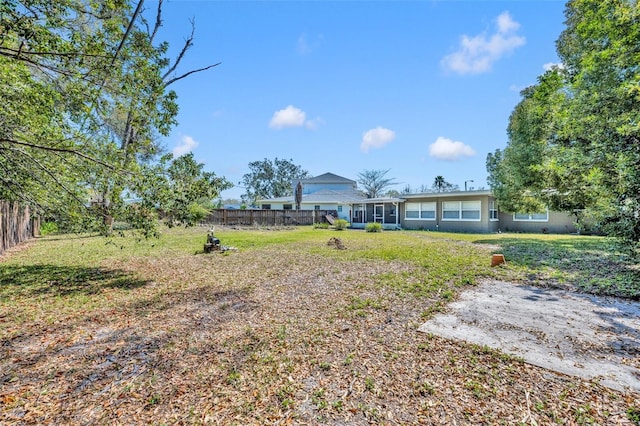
(270, 179)
(374, 182)
(85, 94)
(182, 191)
(574, 139)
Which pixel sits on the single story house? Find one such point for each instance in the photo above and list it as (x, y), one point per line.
(476, 211)
(457, 211)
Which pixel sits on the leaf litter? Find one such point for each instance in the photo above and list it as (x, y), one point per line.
(274, 335)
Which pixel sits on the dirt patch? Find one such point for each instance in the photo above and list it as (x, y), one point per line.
(576, 334)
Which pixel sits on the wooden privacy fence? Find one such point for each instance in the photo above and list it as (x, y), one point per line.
(16, 225)
(267, 217)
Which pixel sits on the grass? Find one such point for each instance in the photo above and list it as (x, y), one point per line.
(590, 264)
(285, 329)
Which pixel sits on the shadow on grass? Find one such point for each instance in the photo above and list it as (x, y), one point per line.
(591, 265)
(34, 280)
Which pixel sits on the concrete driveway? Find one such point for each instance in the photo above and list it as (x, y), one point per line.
(582, 335)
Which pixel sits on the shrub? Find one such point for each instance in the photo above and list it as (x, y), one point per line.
(373, 227)
(321, 225)
(340, 224)
(48, 228)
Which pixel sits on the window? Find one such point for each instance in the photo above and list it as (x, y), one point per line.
(531, 217)
(316, 207)
(418, 211)
(287, 207)
(339, 209)
(266, 207)
(392, 210)
(461, 210)
(493, 210)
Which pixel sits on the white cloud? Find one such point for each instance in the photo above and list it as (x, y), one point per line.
(288, 117)
(304, 46)
(477, 54)
(446, 149)
(293, 117)
(551, 65)
(376, 138)
(187, 144)
(314, 124)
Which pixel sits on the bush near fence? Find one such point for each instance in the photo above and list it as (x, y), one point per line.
(16, 225)
(247, 217)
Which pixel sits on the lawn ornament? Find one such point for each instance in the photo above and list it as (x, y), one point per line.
(213, 243)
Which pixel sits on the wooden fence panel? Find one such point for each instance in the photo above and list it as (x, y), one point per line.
(16, 225)
(266, 217)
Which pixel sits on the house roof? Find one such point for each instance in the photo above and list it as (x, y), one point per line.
(326, 196)
(328, 178)
(451, 194)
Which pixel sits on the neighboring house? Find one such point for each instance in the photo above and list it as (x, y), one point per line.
(458, 211)
(324, 192)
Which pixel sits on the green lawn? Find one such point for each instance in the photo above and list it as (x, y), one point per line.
(284, 329)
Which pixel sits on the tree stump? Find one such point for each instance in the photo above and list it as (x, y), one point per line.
(337, 243)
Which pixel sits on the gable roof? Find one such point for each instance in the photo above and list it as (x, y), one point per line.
(328, 178)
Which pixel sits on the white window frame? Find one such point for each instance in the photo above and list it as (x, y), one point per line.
(423, 207)
(531, 217)
(461, 209)
(493, 211)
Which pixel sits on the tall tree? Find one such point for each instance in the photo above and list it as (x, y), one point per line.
(441, 185)
(374, 182)
(84, 90)
(270, 179)
(574, 139)
(181, 189)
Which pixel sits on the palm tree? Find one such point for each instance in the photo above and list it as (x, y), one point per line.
(439, 184)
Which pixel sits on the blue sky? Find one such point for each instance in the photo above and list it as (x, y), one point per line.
(422, 88)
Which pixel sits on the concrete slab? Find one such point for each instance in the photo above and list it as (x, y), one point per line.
(576, 334)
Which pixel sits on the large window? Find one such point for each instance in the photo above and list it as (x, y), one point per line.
(417, 211)
(493, 210)
(461, 210)
(287, 207)
(531, 217)
(266, 207)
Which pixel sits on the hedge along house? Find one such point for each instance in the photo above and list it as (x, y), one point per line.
(477, 212)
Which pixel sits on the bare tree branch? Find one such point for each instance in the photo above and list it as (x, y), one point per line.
(158, 23)
(173, 80)
(187, 44)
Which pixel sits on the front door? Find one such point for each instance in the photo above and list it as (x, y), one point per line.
(378, 213)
